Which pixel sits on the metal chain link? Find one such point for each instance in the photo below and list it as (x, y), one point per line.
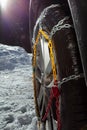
(34, 49)
(71, 77)
(34, 64)
(50, 45)
(41, 32)
(60, 26)
(54, 93)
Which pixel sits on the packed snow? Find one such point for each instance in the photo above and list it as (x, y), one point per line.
(17, 110)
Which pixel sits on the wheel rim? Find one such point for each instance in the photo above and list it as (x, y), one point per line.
(43, 82)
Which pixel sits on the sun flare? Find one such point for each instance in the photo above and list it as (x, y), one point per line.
(3, 4)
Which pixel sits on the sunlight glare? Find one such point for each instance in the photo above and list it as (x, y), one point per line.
(3, 3)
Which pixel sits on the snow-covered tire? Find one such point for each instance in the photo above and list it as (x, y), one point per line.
(73, 102)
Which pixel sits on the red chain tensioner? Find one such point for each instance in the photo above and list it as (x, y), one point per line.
(54, 93)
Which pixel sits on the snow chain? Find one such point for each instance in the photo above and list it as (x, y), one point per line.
(55, 87)
(54, 94)
(50, 45)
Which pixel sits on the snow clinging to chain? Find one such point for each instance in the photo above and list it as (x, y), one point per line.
(41, 17)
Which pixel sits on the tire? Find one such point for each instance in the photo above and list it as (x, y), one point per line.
(73, 103)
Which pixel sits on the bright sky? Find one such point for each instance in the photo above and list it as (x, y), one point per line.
(3, 4)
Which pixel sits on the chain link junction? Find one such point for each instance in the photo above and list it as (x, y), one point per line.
(54, 93)
(50, 45)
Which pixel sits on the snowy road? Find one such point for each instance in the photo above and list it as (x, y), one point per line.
(16, 90)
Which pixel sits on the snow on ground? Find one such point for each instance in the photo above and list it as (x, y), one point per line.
(16, 90)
